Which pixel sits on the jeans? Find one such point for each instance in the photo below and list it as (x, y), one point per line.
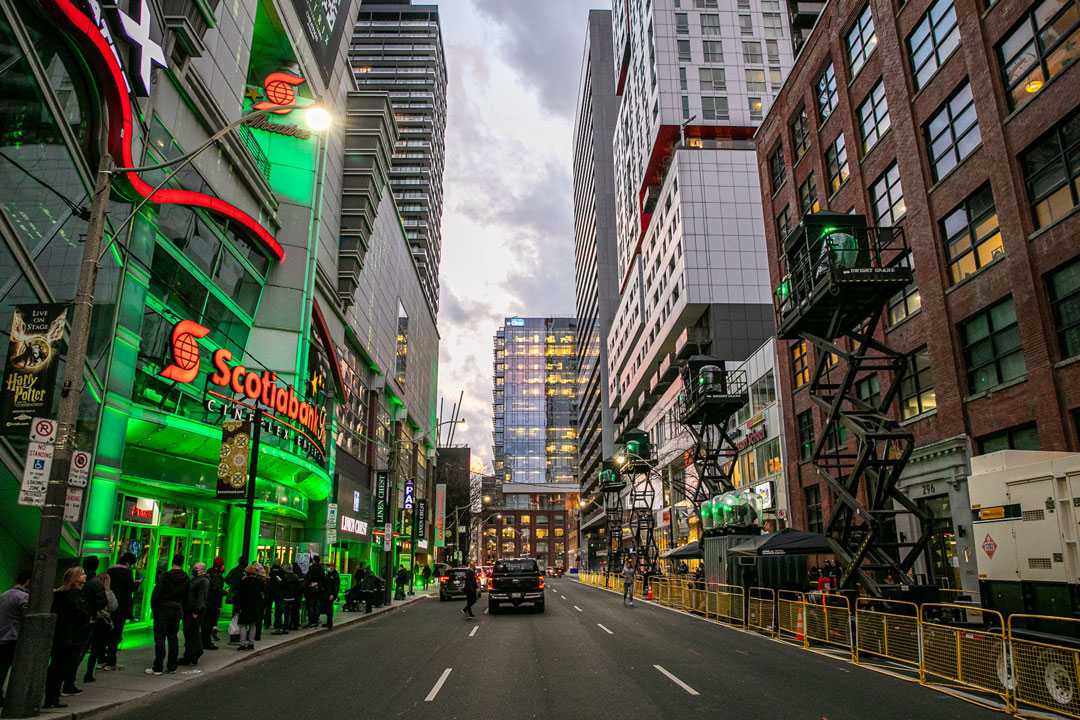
(7, 655)
(209, 624)
(247, 635)
(100, 634)
(115, 637)
(64, 662)
(193, 636)
(294, 614)
(313, 603)
(166, 633)
(328, 608)
(283, 614)
(470, 600)
(628, 593)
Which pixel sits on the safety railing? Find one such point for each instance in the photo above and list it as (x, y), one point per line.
(1045, 654)
(887, 630)
(828, 621)
(790, 618)
(726, 603)
(761, 610)
(697, 599)
(964, 653)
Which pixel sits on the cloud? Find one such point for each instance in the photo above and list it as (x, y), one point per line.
(544, 41)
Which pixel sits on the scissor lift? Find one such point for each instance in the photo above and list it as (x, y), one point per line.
(710, 398)
(838, 275)
(612, 484)
(638, 468)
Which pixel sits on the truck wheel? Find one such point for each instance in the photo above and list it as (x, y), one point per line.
(1058, 680)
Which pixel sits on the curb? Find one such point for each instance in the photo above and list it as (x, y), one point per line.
(240, 660)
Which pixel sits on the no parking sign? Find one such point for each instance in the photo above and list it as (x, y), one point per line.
(79, 476)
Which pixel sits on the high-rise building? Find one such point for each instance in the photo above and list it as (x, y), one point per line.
(397, 47)
(694, 79)
(535, 436)
(595, 257)
(956, 121)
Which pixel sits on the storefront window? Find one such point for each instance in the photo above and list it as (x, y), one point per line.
(942, 556)
(768, 458)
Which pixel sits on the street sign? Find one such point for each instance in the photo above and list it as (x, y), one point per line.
(388, 536)
(79, 476)
(331, 515)
(35, 480)
(410, 493)
(73, 504)
(440, 515)
(42, 430)
(331, 535)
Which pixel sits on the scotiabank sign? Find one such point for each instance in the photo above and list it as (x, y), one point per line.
(261, 387)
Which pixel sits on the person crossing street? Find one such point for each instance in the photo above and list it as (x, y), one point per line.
(628, 583)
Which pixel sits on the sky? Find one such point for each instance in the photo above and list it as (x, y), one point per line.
(508, 232)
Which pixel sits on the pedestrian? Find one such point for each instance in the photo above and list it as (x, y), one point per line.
(331, 588)
(69, 637)
(101, 628)
(470, 593)
(427, 576)
(402, 580)
(167, 606)
(96, 601)
(628, 583)
(313, 591)
(232, 581)
(123, 585)
(296, 587)
(249, 605)
(194, 609)
(275, 597)
(286, 598)
(215, 596)
(13, 604)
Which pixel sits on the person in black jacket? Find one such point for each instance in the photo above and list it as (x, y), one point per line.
(167, 604)
(249, 603)
(96, 601)
(275, 598)
(194, 610)
(288, 587)
(470, 593)
(402, 583)
(71, 634)
(331, 588)
(215, 595)
(296, 585)
(313, 592)
(232, 581)
(123, 584)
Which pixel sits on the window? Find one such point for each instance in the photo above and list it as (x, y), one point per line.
(773, 27)
(905, 303)
(952, 132)
(772, 50)
(776, 167)
(710, 24)
(805, 424)
(1052, 171)
(972, 237)
(992, 351)
(1064, 286)
(763, 391)
(869, 390)
(682, 24)
(826, 92)
(861, 40)
(756, 107)
(917, 394)
(800, 133)
(1023, 437)
(682, 79)
(402, 345)
(746, 25)
(800, 364)
(932, 41)
(815, 517)
(714, 52)
(887, 197)
(685, 107)
(874, 117)
(714, 108)
(783, 223)
(776, 79)
(768, 458)
(684, 50)
(751, 52)
(712, 79)
(836, 163)
(705, 4)
(755, 80)
(1039, 48)
(808, 202)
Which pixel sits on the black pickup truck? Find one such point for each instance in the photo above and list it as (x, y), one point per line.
(514, 582)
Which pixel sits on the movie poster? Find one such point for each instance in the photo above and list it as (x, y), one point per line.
(323, 21)
(32, 361)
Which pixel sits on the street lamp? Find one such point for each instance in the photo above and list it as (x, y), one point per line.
(35, 636)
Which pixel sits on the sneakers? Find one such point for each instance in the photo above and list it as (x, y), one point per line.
(152, 671)
(106, 668)
(70, 690)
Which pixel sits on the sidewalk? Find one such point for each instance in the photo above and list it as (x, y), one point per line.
(112, 689)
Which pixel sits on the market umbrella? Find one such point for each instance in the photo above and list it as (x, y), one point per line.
(690, 551)
(786, 542)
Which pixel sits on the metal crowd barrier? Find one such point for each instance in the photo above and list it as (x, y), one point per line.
(964, 653)
(790, 617)
(889, 630)
(727, 603)
(761, 610)
(1045, 654)
(828, 621)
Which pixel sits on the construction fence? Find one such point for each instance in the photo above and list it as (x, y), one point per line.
(1024, 665)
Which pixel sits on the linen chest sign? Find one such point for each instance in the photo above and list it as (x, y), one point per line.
(30, 370)
(382, 498)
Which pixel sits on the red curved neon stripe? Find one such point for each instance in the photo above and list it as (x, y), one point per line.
(120, 135)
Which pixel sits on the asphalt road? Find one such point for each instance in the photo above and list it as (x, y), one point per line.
(586, 657)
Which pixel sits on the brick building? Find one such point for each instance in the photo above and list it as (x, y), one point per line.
(959, 121)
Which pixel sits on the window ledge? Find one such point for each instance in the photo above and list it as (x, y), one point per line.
(866, 61)
(1065, 218)
(978, 273)
(916, 418)
(941, 180)
(997, 388)
(930, 80)
(828, 200)
(1067, 362)
(795, 165)
(1028, 103)
(780, 186)
(903, 322)
(880, 141)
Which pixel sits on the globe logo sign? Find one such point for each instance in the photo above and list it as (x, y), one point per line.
(280, 91)
(185, 351)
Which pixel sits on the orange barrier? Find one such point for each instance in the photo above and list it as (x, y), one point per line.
(1045, 654)
(828, 621)
(761, 610)
(887, 629)
(964, 653)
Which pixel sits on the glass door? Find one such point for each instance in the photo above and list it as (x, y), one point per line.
(139, 541)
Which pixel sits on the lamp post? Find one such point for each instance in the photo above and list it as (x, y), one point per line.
(27, 685)
(480, 530)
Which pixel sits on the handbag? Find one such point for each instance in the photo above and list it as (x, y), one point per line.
(234, 625)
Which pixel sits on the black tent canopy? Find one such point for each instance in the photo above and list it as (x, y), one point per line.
(690, 551)
(786, 542)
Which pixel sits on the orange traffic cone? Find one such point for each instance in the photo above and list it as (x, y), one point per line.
(648, 593)
(799, 628)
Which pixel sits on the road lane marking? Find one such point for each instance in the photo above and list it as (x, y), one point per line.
(563, 597)
(485, 611)
(742, 652)
(438, 685)
(474, 631)
(677, 681)
(578, 609)
(604, 629)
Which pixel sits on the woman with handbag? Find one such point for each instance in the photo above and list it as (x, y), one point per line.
(101, 628)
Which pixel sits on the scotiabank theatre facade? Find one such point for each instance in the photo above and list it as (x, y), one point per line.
(207, 304)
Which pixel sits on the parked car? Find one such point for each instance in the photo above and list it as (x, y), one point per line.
(514, 582)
